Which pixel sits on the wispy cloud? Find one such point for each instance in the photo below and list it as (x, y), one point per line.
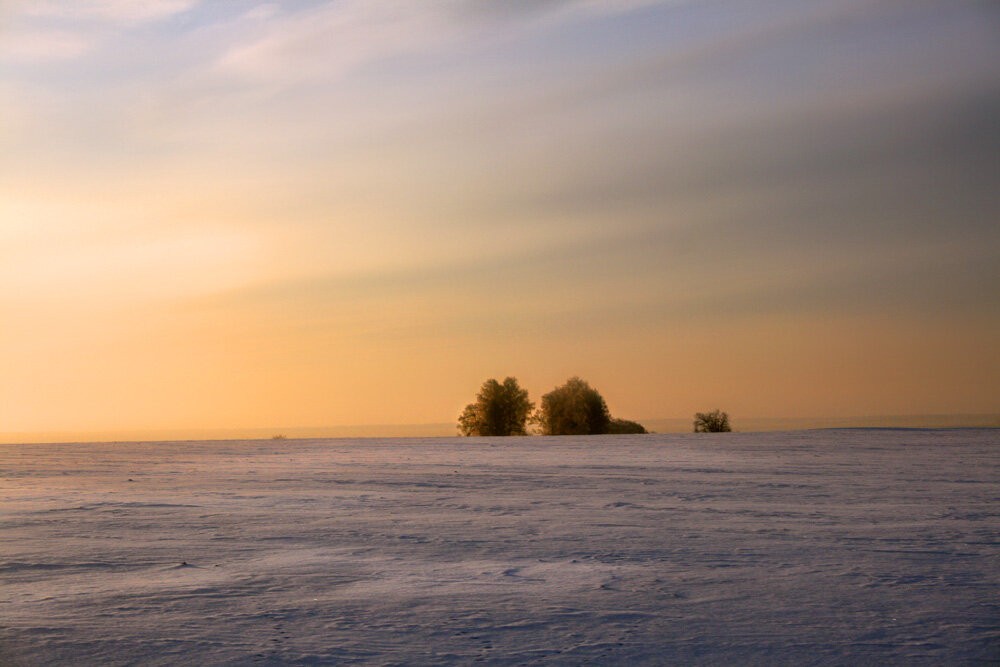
(332, 39)
(125, 12)
(46, 31)
(43, 46)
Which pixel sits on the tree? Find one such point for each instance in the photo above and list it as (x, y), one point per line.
(573, 409)
(500, 409)
(711, 422)
(625, 427)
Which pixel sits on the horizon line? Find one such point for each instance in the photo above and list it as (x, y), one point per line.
(438, 429)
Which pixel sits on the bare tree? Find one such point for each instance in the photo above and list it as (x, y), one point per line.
(711, 422)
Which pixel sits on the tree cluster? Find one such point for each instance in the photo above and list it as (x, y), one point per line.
(574, 408)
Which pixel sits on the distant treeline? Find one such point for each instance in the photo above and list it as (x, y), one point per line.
(575, 408)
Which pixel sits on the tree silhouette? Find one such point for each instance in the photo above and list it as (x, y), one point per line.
(573, 409)
(711, 422)
(500, 409)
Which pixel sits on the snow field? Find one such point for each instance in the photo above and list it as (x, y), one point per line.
(819, 547)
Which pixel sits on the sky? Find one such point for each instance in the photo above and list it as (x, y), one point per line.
(251, 214)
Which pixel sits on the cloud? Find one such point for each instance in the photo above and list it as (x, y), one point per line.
(126, 12)
(335, 38)
(48, 31)
(43, 45)
(522, 9)
(329, 40)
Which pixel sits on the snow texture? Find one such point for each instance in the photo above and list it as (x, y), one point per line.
(823, 547)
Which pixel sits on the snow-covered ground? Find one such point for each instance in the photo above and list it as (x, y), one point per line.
(822, 547)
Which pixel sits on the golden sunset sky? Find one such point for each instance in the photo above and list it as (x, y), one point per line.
(257, 214)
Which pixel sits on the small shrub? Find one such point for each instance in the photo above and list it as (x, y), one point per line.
(625, 427)
(711, 422)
